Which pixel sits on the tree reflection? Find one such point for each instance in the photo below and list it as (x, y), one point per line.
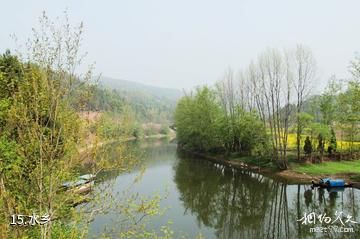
(243, 204)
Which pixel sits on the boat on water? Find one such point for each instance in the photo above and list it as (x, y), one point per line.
(83, 188)
(87, 177)
(331, 183)
(84, 184)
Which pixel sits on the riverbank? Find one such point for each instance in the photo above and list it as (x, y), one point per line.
(85, 151)
(297, 173)
(348, 170)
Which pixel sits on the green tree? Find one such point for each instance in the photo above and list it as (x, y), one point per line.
(308, 146)
(349, 112)
(11, 74)
(197, 119)
(304, 120)
(202, 125)
(11, 71)
(252, 136)
(38, 148)
(327, 102)
(321, 145)
(319, 134)
(332, 144)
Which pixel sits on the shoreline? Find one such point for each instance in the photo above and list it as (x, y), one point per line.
(105, 142)
(289, 176)
(84, 152)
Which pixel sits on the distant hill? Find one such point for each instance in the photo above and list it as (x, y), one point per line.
(130, 86)
(151, 103)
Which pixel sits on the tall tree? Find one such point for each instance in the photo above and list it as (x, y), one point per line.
(327, 101)
(275, 81)
(43, 128)
(304, 71)
(349, 112)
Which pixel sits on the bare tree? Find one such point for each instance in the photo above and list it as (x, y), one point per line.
(257, 90)
(227, 94)
(268, 86)
(304, 71)
(271, 83)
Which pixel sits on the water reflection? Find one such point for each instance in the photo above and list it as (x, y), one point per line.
(220, 202)
(242, 204)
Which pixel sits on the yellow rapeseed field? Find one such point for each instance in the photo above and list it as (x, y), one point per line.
(341, 145)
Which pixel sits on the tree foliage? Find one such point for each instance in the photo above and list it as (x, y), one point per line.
(39, 129)
(308, 146)
(202, 125)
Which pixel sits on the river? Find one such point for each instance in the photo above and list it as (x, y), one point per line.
(200, 197)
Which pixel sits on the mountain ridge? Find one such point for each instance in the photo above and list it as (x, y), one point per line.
(133, 86)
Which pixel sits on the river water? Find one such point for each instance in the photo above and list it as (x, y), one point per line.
(200, 197)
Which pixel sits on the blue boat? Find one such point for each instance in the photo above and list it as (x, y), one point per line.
(331, 183)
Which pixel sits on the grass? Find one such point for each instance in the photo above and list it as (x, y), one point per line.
(351, 167)
(329, 167)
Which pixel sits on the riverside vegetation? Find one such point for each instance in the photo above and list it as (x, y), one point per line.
(49, 114)
(266, 116)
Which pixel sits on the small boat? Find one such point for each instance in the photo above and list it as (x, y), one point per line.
(74, 184)
(82, 185)
(84, 188)
(331, 183)
(87, 177)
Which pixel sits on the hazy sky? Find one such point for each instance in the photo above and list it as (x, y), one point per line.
(185, 43)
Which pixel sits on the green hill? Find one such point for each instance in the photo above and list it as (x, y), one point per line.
(148, 90)
(151, 104)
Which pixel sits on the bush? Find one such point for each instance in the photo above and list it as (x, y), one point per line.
(164, 130)
(308, 146)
